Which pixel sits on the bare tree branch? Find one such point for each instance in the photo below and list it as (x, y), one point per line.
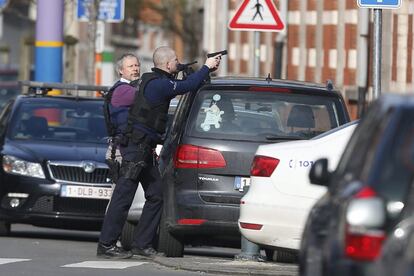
(183, 18)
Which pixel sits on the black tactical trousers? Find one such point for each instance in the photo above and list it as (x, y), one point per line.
(122, 198)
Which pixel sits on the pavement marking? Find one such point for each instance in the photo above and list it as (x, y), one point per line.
(12, 260)
(105, 264)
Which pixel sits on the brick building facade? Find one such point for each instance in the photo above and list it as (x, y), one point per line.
(325, 39)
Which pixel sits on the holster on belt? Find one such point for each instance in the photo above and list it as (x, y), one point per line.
(114, 168)
(132, 168)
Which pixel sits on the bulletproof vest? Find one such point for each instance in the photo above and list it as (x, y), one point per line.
(109, 110)
(142, 112)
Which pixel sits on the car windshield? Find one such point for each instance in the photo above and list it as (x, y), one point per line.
(58, 120)
(264, 116)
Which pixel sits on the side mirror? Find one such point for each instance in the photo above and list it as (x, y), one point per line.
(319, 173)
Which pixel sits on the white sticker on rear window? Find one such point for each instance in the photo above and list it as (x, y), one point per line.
(213, 115)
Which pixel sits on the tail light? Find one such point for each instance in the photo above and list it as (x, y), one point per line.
(263, 166)
(365, 218)
(251, 226)
(364, 247)
(195, 157)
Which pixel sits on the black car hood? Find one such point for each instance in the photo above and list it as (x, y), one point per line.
(38, 151)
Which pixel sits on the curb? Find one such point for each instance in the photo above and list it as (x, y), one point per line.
(227, 267)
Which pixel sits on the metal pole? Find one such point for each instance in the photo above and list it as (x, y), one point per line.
(362, 58)
(256, 54)
(49, 41)
(224, 37)
(377, 53)
(1, 25)
(249, 250)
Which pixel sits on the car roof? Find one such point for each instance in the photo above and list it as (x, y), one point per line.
(249, 81)
(57, 98)
(396, 100)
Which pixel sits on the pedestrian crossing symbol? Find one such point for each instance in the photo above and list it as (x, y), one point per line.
(257, 15)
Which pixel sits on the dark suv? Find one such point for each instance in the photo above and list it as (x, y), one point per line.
(367, 193)
(53, 171)
(205, 161)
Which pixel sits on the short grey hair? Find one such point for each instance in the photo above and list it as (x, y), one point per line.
(162, 55)
(120, 62)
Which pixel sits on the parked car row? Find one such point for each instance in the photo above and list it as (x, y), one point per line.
(206, 158)
(362, 221)
(53, 148)
(232, 134)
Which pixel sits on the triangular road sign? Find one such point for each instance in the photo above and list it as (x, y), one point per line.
(257, 15)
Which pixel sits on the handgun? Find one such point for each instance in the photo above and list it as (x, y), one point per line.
(224, 52)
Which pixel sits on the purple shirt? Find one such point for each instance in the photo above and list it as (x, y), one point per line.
(123, 95)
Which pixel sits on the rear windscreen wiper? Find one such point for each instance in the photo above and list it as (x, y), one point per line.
(287, 138)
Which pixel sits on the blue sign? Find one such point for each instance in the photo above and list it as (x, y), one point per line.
(3, 4)
(109, 10)
(379, 4)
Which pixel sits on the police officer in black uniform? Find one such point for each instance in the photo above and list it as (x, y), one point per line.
(143, 124)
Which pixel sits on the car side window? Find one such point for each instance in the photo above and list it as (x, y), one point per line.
(180, 112)
(394, 173)
(359, 153)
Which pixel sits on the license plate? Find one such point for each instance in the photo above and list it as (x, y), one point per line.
(241, 182)
(85, 192)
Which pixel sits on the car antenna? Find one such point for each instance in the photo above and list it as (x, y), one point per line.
(329, 85)
(269, 79)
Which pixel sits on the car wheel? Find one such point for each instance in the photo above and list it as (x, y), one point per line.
(270, 255)
(286, 256)
(4, 228)
(127, 235)
(168, 243)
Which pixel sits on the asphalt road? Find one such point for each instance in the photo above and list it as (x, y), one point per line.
(38, 251)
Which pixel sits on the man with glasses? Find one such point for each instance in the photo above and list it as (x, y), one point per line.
(143, 129)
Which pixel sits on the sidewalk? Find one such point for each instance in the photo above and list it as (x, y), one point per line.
(227, 266)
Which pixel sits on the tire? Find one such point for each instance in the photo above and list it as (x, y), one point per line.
(270, 255)
(168, 243)
(286, 256)
(127, 235)
(4, 228)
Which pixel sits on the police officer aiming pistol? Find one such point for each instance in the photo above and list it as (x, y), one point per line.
(139, 123)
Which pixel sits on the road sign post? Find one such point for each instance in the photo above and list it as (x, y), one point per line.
(257, 15)
(378, 5)
(377, 52)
